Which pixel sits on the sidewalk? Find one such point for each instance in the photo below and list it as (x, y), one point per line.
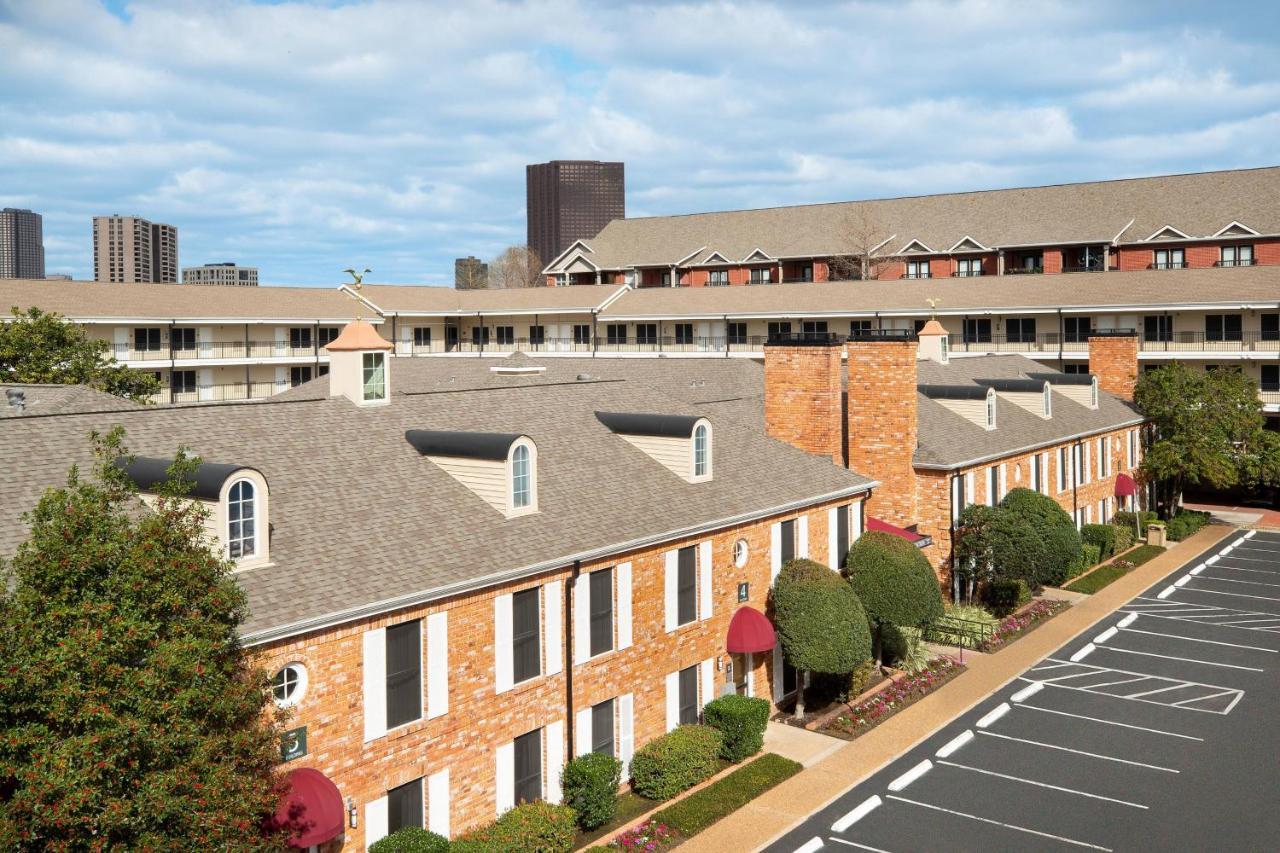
(761, 821)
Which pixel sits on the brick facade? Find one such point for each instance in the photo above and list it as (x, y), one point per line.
(803, 403)
(882, 422)
(1114, 360)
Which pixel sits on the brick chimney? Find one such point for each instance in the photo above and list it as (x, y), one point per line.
(1113, 358)
(882, 426)
(802, 395)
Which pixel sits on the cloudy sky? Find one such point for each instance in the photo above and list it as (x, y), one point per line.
(307, 137)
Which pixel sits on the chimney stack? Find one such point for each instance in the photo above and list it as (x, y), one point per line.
(882, 429)
(1113, 358)
(802, 394)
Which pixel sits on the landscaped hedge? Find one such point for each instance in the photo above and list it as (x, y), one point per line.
(1050, 549)
(534, 827)
(741, 720)
(1125, 518)
(410, 839)
(698, 811)
(1186, 523)
(675, 762)
(893, 580)
(1103, 536)
(1006, 596)
(590, 784)
(1124, 537)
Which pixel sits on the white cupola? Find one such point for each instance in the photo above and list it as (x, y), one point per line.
(359, 367)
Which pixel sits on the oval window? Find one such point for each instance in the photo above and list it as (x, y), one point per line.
(740, 552)
(289, 684)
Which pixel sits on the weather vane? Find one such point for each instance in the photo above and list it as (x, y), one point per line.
(358, 284)
(933, 305)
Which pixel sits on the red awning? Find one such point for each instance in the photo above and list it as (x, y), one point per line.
(750, 631)
(917, 539)
(1125, 487)
(312, 806)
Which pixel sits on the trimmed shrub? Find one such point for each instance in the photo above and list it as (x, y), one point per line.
(1063, 548)
(820, 622)
(535, 827)
(1124, 538)
(1041, 510)
(1005, 596)
(741, 720)
(860, 678)
(675, 762)
(590, 784)
(1101, 535)
(1125, 518)
(1052, 548)
(1186, 523)
(698, 811)
(410, 839)
(1090, 556)
(893, 580)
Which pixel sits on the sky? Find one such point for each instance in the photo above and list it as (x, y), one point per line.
(304, 138)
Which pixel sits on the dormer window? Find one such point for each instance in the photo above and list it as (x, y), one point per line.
(1048, 400)
(499, 468)
(521, 478)
(702, 451)
(242, 520)
(680, 443)
(374, 376)
(991, 409)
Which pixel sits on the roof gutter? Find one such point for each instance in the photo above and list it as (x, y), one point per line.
(968, 463)
(471, 585)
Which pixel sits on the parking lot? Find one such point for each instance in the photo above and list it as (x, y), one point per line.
(1155, 730)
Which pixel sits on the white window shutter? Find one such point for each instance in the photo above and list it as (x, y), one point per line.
(802, 536)
(968, 489)
(375, 683)
(581, 619)
(437, 664)
(855, 524)
(552, 625)
(704, 580)
(555, 761)
(438, 802)
(832, 543)
(775, 549)
(502, 673)
(505, 760)
(777, 674)
(375, 821)
(671, 579)
(623, 580)
(707, 679)
(673, 700)
(751, 673)
(1084, 467)
(582, 732)
(626, 733)
(1004, 481)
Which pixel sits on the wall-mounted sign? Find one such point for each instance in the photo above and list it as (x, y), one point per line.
(293, 744)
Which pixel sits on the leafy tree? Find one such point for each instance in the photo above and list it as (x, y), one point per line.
(40, 347)
(1028, 537)
(131, 716)
(894, 582)
(1208, 428)
(821, 623)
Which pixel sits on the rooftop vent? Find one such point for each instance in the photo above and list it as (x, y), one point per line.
(17, 398)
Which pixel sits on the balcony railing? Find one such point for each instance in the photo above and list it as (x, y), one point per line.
(221, 393)
(1078, 342)
(1201, 342)
(1168, 265)
(218, 349)
(1037, 269)
(1241, 262)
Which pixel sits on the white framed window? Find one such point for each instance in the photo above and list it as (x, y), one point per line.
(991, 409)
(374, 376)
(1048, 401)
(741, 550)
(993, 487)
(289, 685)
(242, 520)
(702, 451)
(917, 269)
(1093, 393)
(522, 476)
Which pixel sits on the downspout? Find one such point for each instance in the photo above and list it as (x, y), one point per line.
(1077, 459)
(726, 335)
(480, 335)
(568, 654)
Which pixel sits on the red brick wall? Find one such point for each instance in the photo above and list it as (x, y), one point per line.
(802, 398)
(1266, 252)
(1052, 261)
(1114, 360)
(821, 271)
(882, 425)
(1133, 258)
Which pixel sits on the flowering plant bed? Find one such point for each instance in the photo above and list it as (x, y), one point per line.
(1028, 619)
(863, 716)
(648, 836)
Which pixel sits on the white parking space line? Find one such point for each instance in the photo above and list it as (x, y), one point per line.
(1185, 660)
(1166, 592)
(1083, 653)
(993, 715)
(1012, 826)
(1042, 784)
(1182, 581)
(1240, 569)
(955, 743)
(1197, 570)
(1081, 752)
(1108, 722)
(863, 809)
(1027, 692)
(1127, 621)
(1266, 560)
(1232, 594)
(855, 844)
(809, 846)
(1198, 640)
(1215, 558)
(1105, 635)
(911, 775)
(1237, 580)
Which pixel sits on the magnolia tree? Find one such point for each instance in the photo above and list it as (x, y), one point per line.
(131, 719)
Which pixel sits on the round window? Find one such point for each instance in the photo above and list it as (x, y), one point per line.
(288, 685)
(740, 552)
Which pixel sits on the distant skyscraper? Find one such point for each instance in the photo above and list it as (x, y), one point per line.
(470, 273)
(21, 244)
(571, 200)
(130, 249)
(226, 273)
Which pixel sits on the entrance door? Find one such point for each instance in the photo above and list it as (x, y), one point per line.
(741, 674)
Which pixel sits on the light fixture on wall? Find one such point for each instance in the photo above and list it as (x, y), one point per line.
(352, 819)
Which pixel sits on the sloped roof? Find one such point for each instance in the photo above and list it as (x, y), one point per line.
(46, 399)
(416, 300)
(1199, 204)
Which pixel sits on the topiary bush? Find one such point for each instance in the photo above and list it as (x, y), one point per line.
(1103, 536)
(1041, 510)
(1003, 597)
(538, 827)
(410, 839)
(675, 762)
(1124, 538)
(894, 582)
(1062, 549)
(1044, 546)
(741, 720)
(590, 784)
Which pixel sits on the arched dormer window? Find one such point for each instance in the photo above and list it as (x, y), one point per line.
(242, 520)
(1093, 393)
(702, 451)
(1048, 400)
(991, 409)
(521, 478)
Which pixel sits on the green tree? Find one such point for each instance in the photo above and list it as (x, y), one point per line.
(894, 582)
(1208, 428)
(1039, 542)
(40, 347)
(131, 718)
(821, 623)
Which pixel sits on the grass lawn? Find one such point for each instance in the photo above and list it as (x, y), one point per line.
(701, 809)
(630, 806)
(1113, 571)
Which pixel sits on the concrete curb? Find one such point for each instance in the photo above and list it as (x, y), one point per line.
(781, 809)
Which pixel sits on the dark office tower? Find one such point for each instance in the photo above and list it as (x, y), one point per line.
(571, 200)
(470, 273)
(21, 244)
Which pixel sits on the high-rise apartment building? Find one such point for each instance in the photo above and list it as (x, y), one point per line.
(21, 244)
(130, 249)
(224, 273)
(470, 273)
(571, 200)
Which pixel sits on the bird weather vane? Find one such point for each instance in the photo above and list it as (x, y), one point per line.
(933, 305)
(357, 285)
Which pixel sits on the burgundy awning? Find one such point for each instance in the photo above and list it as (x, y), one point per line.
(750, 631)
(1125, 487)
(312, 806)
(917, 539)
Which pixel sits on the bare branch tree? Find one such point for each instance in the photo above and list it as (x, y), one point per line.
(862, 244)
(516, 266)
